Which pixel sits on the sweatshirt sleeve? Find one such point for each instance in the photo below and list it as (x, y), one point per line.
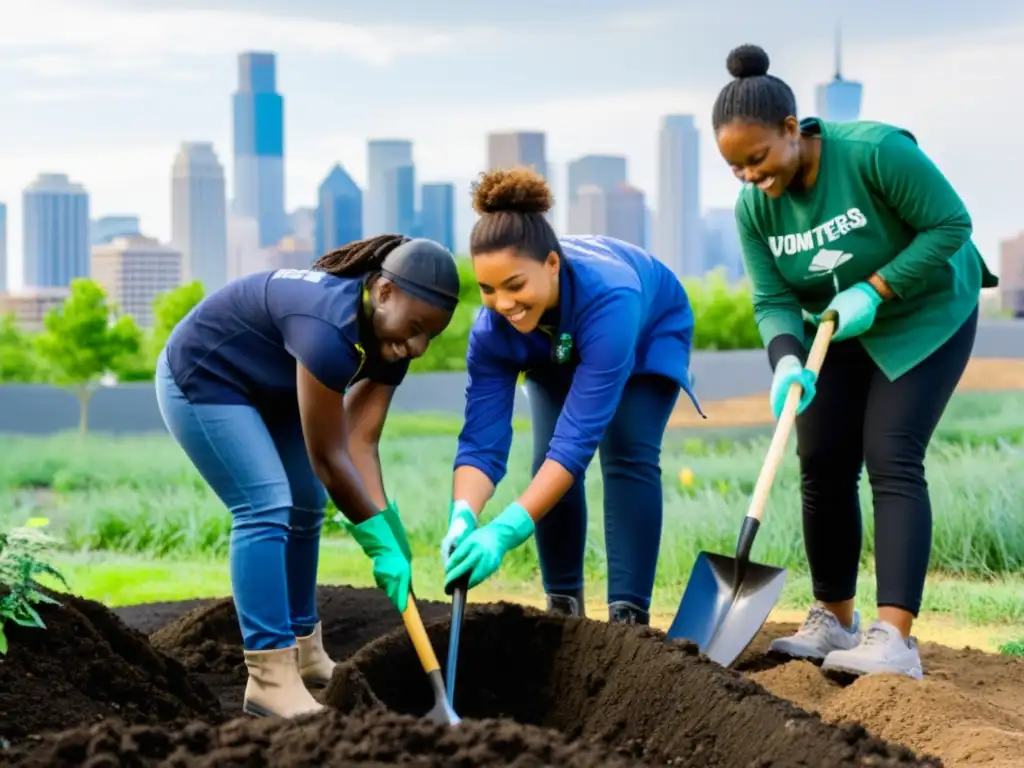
(777, 310)
(486, 436)
(917, 191)
(607, 342)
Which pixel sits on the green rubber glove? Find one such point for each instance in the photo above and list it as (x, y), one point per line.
(481, 552)
(392, 515)
(856, 307)
(790, 371)
(461, 523)
(391, 569)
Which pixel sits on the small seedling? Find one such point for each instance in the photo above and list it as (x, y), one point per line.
(21, 553)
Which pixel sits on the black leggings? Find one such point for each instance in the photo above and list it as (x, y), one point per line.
(859, 417)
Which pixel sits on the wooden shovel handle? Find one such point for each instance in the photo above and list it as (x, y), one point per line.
(418, 635)
(777, 449)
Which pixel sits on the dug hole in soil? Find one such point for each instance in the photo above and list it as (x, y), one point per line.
(162, 685)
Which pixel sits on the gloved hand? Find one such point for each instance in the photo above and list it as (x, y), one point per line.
(788, 371)
(481, 552)
(461, 522)
(394, 520)
(856, 307)
(391, 569)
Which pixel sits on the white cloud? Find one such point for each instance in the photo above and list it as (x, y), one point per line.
(94, 39)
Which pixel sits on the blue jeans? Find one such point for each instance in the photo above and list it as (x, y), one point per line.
(630, 454)
(261, 471)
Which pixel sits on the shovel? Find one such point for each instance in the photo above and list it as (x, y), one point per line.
(728, 599)
(458, 589)
(442, 711)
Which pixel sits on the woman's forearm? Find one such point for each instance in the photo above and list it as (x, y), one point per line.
(365, 457)
(472, 486)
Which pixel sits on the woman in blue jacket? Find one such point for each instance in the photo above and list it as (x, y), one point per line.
(277, 387)
(603, 333)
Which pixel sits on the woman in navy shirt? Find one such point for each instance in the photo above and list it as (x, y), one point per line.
(277, 387)
(603, 333)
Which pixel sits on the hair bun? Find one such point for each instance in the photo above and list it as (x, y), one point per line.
(517, 190)
(747, 61)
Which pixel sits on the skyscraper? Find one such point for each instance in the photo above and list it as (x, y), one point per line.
(437, 213)
(259, 146)
(528, 148)
(383, 197)
(339, 213)
(56, 231)
(677, 221)
(627, 215)
(106, 228)
(134, 270)
(3, 247)
(722, 243)
(840, 99)
(400, 200)
(603, 171)
(199, 214)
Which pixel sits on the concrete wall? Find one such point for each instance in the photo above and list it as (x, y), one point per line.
(131, 408)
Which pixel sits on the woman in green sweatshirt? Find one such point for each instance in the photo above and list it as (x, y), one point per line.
(853, 217)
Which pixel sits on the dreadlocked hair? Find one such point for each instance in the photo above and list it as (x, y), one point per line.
(359, 257)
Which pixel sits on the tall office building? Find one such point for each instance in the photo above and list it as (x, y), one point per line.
(677, 222)
(339, 213)
(30, 305)
(259, 147)
(56, 231)
(199, 215)
(722, 243)
(302, 223)
(627, 215)
(528, 148)
(106, 228)
(603, 171)
(244, 254)
(840, 99)
(618, 212)
(383, 198)
(400, 200)
(3, 247)
(437, 213)
(134, 270)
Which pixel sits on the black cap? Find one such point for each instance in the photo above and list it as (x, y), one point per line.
(426, 270)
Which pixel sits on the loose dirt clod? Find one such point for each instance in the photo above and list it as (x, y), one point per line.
(533, 690)
(86, 665)
(323, 740)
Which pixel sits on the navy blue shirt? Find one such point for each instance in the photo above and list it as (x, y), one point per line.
(625, 313)
(240, 344)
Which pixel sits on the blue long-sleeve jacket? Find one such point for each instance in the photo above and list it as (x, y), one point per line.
(625, 313)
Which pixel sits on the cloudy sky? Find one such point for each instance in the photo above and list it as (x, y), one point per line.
(105, 90)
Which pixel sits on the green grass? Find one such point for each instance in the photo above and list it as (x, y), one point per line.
(117, 502)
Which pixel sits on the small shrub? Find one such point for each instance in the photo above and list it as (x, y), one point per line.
(21, 550)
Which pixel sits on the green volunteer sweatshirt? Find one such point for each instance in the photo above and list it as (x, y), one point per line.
(878, 205)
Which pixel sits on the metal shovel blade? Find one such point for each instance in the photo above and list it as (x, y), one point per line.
(458, 611)
(442, 711)
(720, 619)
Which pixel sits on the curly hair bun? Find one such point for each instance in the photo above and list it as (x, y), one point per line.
(518, 190)
(747, 61)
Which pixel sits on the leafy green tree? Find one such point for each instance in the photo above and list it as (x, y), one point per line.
(723, 313)
(169, 309)
(18, 361)
(81, 345)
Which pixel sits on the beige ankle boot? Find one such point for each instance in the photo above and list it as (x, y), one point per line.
(315, 666)
(274, 688)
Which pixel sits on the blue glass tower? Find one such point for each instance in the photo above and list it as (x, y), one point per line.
(839, 100)
(339, 213)
(400, 200)
(437, 214)
(259, 147)
(56, 231)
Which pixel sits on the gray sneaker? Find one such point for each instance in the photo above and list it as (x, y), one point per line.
(883, 649)
(820, 634)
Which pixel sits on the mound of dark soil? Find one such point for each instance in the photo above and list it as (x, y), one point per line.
(87, 665)
(319, 740)
(621, 686)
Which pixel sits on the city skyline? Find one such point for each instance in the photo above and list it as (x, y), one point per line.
(904, 68)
